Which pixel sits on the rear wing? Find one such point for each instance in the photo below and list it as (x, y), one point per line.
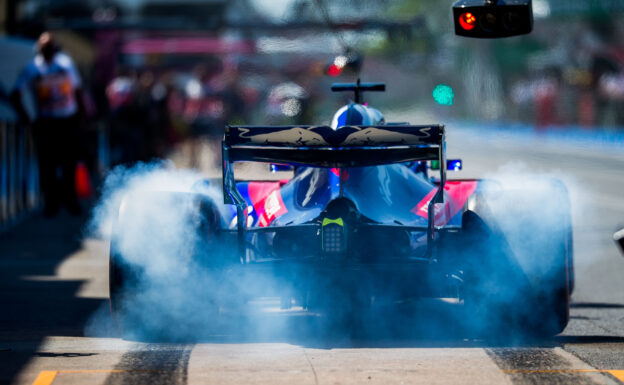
(322, 146)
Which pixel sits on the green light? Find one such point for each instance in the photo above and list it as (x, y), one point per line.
(443, 95)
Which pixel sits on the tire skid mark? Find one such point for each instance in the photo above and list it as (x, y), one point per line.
(538, 366)
(153, 364)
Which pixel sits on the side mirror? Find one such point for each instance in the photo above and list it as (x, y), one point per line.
(492, 18)
(618, 237)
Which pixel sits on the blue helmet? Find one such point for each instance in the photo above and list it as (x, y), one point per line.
(356, 115)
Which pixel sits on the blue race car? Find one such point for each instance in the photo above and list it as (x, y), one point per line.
(358, 219)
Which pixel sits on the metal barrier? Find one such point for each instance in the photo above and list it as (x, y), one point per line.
(19, 174)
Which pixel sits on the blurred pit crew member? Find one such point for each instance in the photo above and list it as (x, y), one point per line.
(56, 88)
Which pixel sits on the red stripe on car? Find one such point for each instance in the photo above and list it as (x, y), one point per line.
(456, 194)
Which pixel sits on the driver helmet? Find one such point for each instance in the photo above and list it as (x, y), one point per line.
(357, 115)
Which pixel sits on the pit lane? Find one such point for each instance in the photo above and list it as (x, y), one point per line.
(52, 282)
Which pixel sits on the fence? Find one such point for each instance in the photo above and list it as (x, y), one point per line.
(19, 175)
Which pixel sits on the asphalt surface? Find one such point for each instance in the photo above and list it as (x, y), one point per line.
(54, 324)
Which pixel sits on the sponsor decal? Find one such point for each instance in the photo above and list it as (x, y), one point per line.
(326, 136)
(273, 208)
(267, 201)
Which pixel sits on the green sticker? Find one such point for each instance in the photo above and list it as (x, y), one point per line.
(327, 221)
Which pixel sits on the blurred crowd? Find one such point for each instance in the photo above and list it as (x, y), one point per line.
(578, 80)
(150, 111)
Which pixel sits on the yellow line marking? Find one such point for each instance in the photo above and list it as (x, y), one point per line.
(45, 378)
(619, 374)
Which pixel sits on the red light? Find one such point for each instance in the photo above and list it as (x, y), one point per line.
(333, 70)
(467, 21)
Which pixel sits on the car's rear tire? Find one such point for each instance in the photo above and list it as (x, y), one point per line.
(493, 281)
(502, 294)
(129, 279)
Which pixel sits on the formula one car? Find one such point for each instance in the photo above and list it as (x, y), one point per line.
(360, 218)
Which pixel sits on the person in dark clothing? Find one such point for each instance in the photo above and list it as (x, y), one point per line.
(56, 86)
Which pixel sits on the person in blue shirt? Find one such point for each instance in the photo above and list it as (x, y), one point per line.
(56, 87)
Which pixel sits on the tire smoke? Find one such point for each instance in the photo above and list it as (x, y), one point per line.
(506, 259)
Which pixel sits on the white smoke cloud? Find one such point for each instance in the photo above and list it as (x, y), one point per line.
(178, 298)
(143, 177)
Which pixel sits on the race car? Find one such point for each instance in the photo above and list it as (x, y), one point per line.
(365, 213)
